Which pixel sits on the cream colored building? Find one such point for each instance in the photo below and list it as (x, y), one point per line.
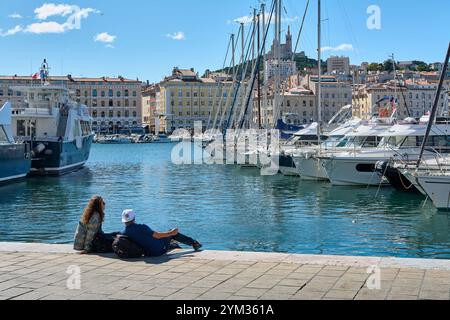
(300, 103)
(114, 103)
(415, 99)
(335, 94)
(186, 98)
(338, 65)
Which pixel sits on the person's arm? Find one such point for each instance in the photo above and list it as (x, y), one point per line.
(164, 235)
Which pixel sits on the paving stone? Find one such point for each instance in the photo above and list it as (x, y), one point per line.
(341, 294)
(161, 292)
(308, 295)
(251, 292)
(367, 294)
(401, 297)
(434, 295)
(214, 296)
(14, 292)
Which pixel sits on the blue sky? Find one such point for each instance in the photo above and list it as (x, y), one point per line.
(145, 39)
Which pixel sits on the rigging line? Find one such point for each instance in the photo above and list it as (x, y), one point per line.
(301, 30)
(349, 27)
(218, 84)
(249, 62)
(259, 62)
(228, 93)
(243, 64)
(243, 76)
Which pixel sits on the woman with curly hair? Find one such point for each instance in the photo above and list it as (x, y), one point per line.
(89, 236)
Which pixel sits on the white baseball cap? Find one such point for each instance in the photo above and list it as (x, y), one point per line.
(128, 216)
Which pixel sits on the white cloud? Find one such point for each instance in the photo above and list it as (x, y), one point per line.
(51, 9)
(104, 37)
(109, 46)
(45, 27)
(15, 16)
(249, 19)
(74, 16)
(176, 36)
(11, 32)
(73, 13)
(342, 47)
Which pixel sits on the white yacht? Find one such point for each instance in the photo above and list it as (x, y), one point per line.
(401, 141)
(57, 128)
(437, 187)
(307, 163)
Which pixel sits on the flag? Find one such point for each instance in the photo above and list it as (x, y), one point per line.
(35, 76)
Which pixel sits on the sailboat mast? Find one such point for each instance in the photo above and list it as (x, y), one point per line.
(435, 106)
(258, 17)
(233, 52)
(319, 90)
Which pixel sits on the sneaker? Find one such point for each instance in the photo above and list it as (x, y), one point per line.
(197, 246)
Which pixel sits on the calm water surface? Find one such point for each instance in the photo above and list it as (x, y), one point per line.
(225, 208)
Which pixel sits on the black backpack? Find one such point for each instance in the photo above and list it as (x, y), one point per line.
(126, 249)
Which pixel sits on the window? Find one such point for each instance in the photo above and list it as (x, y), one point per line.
(110, 103)
(134, 94)
(127, 103)
(94, 102)
(103, 93)
(94, 92)
(118, 103)
(103, 103)
(119, 114)
(134, 103)
(118, 94)
(127, 92)
(111, 114)
(134, 114)
(94, 114)
(127, 113)
(110, 93)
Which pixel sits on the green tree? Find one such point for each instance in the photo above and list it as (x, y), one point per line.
(373, 67)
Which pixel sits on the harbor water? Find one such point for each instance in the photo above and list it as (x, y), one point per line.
(225, 207)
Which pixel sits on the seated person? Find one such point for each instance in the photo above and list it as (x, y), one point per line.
(154, 243)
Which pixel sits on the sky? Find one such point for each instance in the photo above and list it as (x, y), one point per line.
(145, 39)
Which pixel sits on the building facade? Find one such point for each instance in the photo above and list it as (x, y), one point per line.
(185, 98)
(285, 68)
(338, 65)
(334, 94)
(150, 96)
(115, 104)
(414, 99)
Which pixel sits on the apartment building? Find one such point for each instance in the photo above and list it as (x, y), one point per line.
(186, 98)
(414, 99)
(115, 104)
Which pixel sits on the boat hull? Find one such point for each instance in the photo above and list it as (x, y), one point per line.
(13, 163)
(287, 166)
(438, 189)
(397, 179)
(311, 169)
(353, 172)
(60, 158)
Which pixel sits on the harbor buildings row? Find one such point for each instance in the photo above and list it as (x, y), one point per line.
(114, 103)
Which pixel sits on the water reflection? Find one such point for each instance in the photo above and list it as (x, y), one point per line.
(226, 207)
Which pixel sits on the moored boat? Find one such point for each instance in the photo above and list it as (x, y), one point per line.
(15, 161)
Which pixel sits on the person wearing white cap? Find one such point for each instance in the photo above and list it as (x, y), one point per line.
(154, 243)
